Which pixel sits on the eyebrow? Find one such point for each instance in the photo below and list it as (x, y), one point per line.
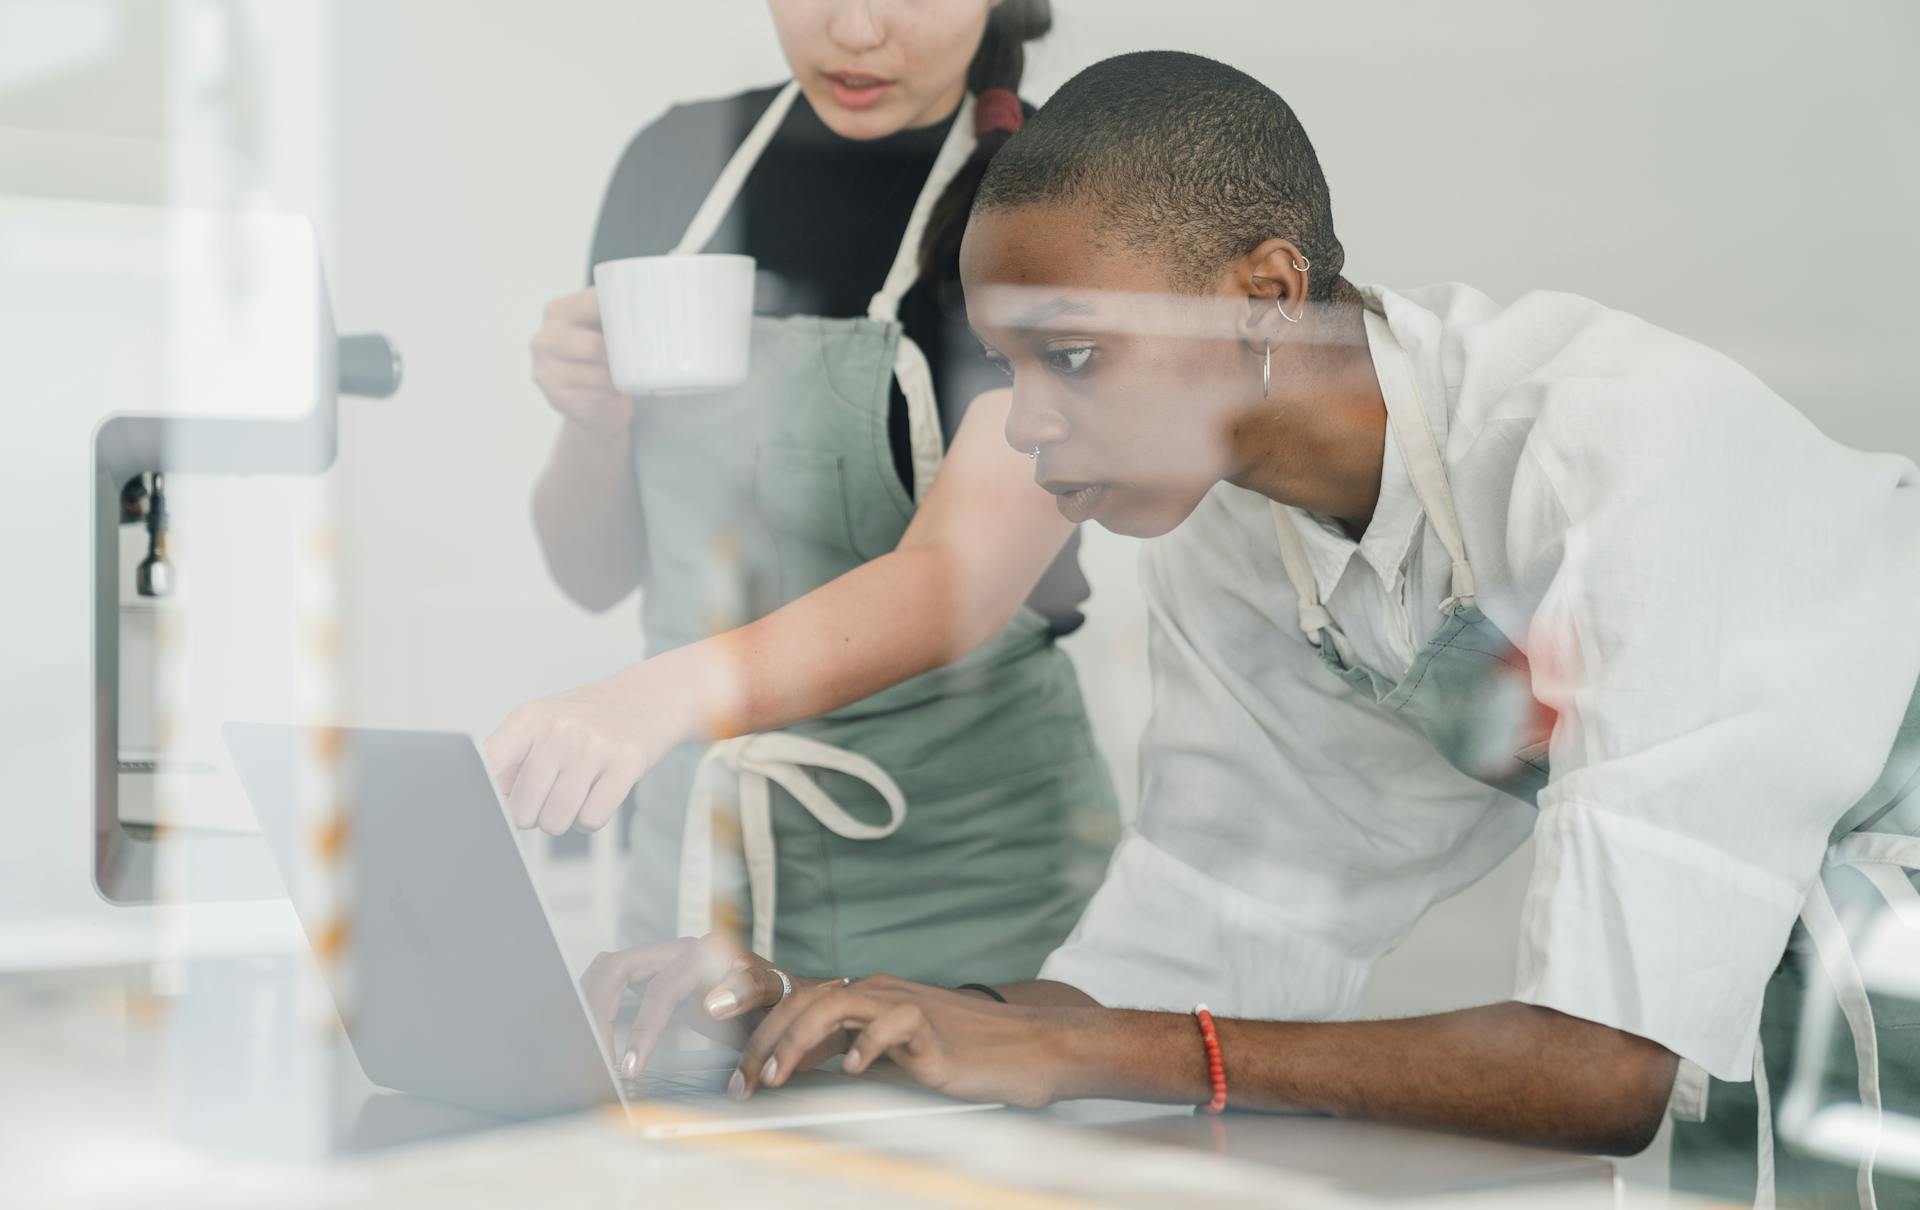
(1052, 309)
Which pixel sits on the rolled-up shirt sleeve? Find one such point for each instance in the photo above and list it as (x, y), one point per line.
(1729, 636)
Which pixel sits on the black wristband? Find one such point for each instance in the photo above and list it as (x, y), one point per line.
(983, 989)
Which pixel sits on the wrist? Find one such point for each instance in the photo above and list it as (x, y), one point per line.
(1080, 1054)
(1128, 1055)
(603, 438)
(697, 688)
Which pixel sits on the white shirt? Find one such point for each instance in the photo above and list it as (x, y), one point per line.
(1722, 605)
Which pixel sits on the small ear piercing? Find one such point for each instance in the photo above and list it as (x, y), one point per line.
(1300, 265)
(1034, 453)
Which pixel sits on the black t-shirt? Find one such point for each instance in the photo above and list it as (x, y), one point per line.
(823, 217)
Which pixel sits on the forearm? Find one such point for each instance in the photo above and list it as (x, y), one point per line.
(586, 512)
(976, 547)
(1511, 1070)
(884, 622)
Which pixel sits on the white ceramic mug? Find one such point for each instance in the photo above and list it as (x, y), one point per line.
(676, 324)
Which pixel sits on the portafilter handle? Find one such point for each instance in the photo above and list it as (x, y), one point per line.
(369, 366)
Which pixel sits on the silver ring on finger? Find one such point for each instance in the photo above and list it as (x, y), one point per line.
(786, 985)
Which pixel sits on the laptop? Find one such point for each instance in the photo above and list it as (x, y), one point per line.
(459, 991)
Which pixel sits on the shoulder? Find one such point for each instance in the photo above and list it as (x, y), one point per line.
(695, 131)
(1564, 413)
(665, 171)
(1486, 348)
(1589, 384)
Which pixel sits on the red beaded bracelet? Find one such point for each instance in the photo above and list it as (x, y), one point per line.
(1216, 1070)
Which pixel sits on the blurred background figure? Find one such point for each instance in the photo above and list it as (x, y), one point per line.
(978, 813)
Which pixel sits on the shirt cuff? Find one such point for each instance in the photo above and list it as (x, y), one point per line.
(1161, 935)
(1653, 932)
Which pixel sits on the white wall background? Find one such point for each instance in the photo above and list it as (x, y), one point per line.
(1740, 172)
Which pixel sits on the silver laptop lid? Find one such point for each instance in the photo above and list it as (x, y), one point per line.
(457, 989)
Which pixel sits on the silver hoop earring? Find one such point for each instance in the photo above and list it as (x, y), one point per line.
(1300, 265)
(1266, 373)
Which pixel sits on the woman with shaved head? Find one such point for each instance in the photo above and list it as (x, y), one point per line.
(1431, 575)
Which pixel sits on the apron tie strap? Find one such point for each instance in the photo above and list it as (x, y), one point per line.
(751, 763)
(1461, 591)
(1880, 857)
(1763, 1151)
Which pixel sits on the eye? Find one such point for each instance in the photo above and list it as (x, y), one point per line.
(1069, 359)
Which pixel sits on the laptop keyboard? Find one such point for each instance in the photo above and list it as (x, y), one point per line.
(677, 1086)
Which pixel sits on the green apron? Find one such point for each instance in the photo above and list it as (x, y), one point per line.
(950, 827)
(1469, 691)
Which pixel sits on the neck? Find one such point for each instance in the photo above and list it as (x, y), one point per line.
(942, 109)
(1316, 443)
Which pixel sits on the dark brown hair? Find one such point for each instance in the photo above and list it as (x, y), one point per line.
(999, 63)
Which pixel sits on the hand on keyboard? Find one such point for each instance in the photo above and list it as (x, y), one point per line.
(707, 983)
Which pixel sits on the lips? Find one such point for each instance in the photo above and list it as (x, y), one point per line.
(1078, 502)
(857, 90)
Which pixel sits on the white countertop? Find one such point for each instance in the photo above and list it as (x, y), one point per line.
(92, 1115)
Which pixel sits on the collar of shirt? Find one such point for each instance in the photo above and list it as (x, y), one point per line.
(1396, 515)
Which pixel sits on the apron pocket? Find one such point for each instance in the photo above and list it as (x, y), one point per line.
(801, 498)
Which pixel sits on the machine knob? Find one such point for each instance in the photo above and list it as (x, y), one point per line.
(369, 366)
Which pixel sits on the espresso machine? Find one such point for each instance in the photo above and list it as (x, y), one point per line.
(169, 374)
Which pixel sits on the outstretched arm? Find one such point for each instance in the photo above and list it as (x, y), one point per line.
(976, 547)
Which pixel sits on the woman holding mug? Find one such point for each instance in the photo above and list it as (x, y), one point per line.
(965, 810)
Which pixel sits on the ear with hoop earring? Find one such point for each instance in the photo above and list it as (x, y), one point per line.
(1300, 265)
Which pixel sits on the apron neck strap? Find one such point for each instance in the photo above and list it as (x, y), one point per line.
(1293, 556)
(954, 153)
(1428, 473)
(885, 305)
(1425, 467)
(1315, 622)
(719, 200)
